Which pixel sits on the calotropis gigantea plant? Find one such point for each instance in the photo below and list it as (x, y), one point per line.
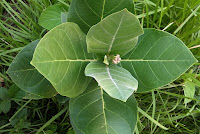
(67, 58)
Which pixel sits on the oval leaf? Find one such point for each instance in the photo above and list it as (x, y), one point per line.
(158, 59)
(5, 106)
(52, 16)
(95, 112)
(26, 77)
(115, 80)
(87, 13)
(116, 34)
(61, 56)
(4, 93)
(189, 91)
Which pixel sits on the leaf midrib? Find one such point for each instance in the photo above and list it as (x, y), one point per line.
(114, 36)
(123, 60)
(113, 80)
(31, 69)
(104, 115)
(155, 60)
(78, 60)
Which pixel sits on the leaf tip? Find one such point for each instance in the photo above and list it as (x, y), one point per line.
(125, 9)
(125, 100)
(32, 63)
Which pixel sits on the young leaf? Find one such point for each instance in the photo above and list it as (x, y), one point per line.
(116, 34)
(87, 13)
(52, 16)
(95, 112)
(189, 91)
(61, 57)
(158, 59)
(26, 77)
(115, 80)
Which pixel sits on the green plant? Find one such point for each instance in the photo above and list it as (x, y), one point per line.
(61, 60)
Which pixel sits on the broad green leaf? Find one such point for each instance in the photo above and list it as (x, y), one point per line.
(5, 106)
(189, 91)
(77, 131)
(15, 92)
(115, 80)
(52, 16)
(3, 93)
(116, 34)
(25, 95)
(61, 57)
(87, 13)
(95, 112)
(158, 59)
(26, 77)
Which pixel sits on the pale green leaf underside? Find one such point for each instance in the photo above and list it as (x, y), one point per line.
(116, 34)
(95, 112)
(25, 76)
(52, 16)
(61, 56)
(115, 80)
(158, 59)
(64, 17)
(87, 13)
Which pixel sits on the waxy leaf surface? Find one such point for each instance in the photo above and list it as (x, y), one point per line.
(61, 56)
(115, 80)
(52, 16)
(87, 13)
(95, 112)
(25, 76)
(116, 34)
(158, 59)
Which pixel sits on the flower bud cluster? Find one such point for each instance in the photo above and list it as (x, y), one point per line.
(117, 59)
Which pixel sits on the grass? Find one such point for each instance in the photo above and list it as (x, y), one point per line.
(160, 111)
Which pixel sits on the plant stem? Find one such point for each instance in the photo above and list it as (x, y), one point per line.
(151, 119)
